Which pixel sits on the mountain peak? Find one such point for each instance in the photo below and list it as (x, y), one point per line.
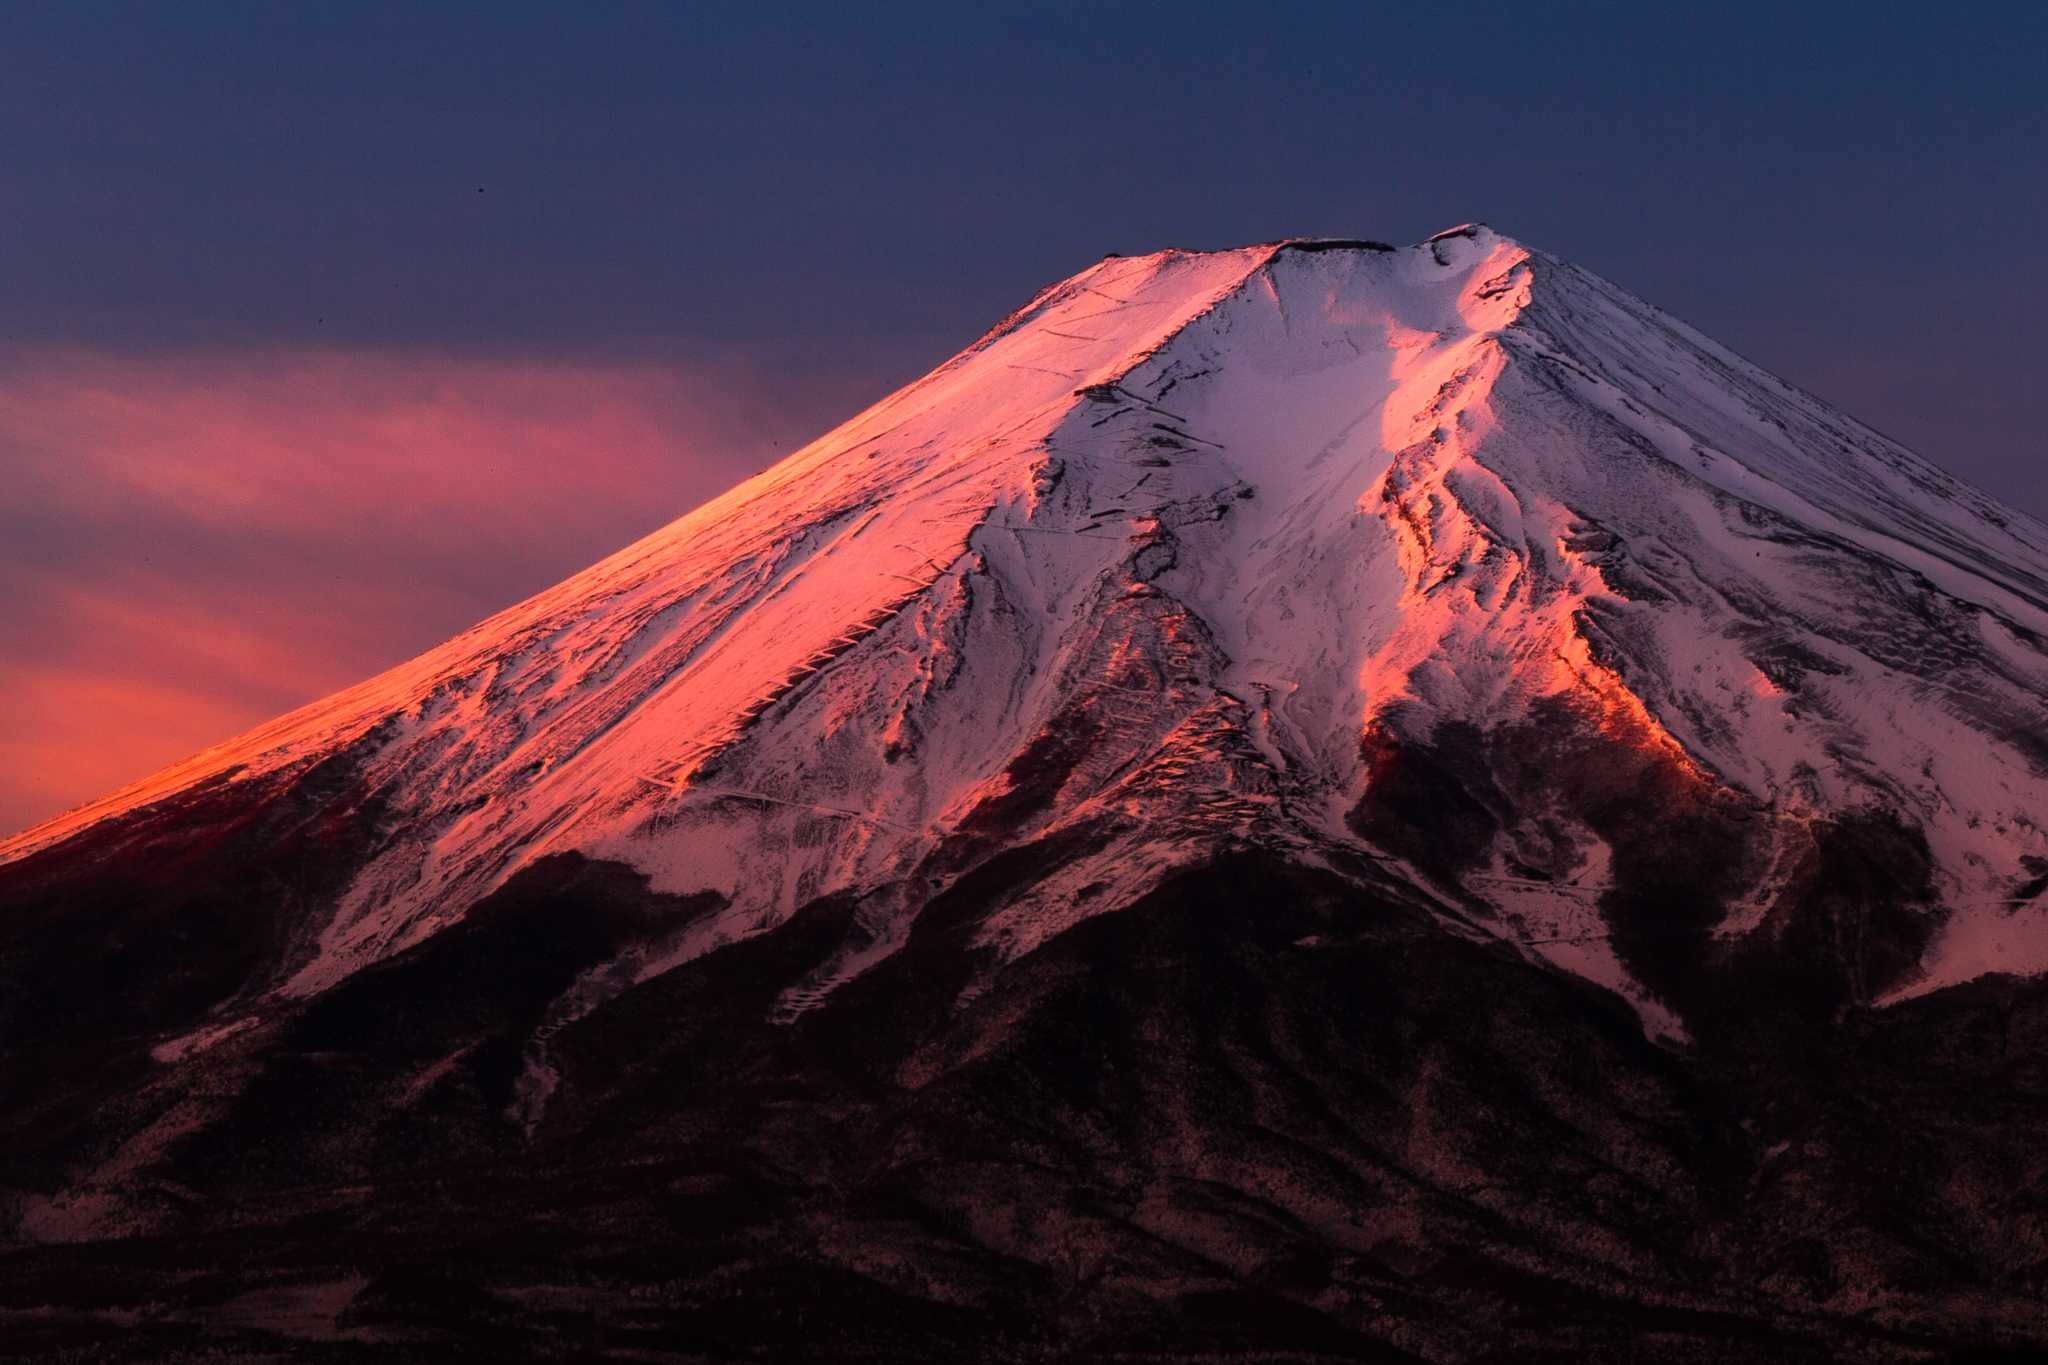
(1348, 519)
(1321, 798)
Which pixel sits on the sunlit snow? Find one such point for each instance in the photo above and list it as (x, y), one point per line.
(1178, 536)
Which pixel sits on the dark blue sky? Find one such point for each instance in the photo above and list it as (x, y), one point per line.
(1848, 193)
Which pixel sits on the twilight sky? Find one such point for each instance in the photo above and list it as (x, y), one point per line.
(328, 329)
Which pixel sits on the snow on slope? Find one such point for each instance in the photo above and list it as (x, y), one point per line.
(1186, 554)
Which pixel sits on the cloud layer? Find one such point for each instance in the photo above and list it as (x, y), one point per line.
(190, 545)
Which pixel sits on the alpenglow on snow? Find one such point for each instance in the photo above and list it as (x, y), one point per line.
(1451, 569)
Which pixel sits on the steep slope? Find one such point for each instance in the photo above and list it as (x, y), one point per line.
(1160, 550)
(1480, 613)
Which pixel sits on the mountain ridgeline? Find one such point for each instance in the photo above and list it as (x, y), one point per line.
(1316, 803)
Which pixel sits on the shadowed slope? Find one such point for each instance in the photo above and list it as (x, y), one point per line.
(1259, 1111)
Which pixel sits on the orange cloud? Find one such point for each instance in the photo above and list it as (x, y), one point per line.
(190, 545)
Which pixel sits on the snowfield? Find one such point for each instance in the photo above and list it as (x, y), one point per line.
(1452, 568)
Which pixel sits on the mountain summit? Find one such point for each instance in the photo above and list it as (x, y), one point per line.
(1373, 803)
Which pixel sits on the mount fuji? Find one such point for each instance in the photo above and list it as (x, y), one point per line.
(1314, 802)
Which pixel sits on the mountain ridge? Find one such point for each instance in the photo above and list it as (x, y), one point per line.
(1506, 332)
(1328, 674)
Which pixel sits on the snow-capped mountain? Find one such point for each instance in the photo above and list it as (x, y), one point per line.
(1197, 549)
(1450, 577)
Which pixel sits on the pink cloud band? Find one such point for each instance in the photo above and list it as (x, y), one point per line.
(190, 545)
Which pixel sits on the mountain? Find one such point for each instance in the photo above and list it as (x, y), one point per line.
(1317, 802)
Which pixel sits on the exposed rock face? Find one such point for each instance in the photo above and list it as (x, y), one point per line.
(1316, 802)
